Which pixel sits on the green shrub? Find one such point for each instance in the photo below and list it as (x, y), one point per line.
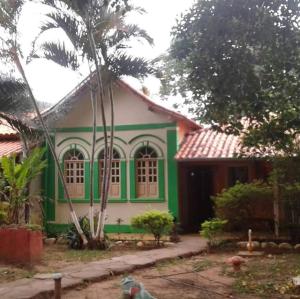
(3, 212)
(211, 228)
(241, 204)
(155, 222)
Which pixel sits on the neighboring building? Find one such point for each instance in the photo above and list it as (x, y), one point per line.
(162, 160)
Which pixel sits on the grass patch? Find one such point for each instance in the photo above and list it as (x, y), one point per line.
(267, 276)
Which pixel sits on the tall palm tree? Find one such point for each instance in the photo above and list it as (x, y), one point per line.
(10, 50)
(100, 36)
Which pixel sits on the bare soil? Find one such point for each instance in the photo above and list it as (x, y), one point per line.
(206, 276)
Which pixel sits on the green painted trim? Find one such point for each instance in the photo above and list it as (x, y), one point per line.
(133, 127)
(72, 138)
(115, 138)
(54, 229)
(132, 179)
(172, 147)
(87, 174)
(96, 200)
(123, 179)
(145, 136)
(49, 185)
(146, 200)
(96, 180)
(161, 178)
(123, 228)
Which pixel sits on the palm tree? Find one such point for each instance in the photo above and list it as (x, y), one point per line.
(10, 51)
(100, 36)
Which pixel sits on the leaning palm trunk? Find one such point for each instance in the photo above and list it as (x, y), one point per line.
(51, 147)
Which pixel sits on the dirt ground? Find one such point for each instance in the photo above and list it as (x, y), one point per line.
(209, 276)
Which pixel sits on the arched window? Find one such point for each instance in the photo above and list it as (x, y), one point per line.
(115, 190)
(74, 173)
(146, 173)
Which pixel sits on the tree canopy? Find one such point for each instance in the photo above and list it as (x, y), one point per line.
(237, 64)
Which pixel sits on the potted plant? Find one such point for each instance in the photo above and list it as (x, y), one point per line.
(20, 242)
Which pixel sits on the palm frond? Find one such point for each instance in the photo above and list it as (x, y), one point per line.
(58, 53)
(69, 24)
(126, 65)
(14, 97)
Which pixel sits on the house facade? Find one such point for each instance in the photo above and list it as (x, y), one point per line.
(144, 169)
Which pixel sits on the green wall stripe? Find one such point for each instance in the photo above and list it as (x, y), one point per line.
(55, 229)
(123, 180)
(172, 146)
(134, 127)
(132, 179)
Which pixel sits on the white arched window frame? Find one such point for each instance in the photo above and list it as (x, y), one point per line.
(74, 172)
(146, 164)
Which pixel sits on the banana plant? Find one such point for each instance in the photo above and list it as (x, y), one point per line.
(17, 177)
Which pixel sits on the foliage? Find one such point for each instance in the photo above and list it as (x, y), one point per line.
(238, 203)
(74, 239)
(211, 228)
(238, 66)
(3, 212)
(18, 176)
(155, 222)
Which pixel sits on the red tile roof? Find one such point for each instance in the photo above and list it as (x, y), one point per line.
(208, 144)
(8, 147)
(9, 141)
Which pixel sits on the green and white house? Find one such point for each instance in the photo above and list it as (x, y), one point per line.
(144, 170)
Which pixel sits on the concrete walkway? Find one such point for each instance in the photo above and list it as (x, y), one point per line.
(41, 286)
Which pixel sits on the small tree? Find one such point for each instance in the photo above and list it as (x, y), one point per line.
(18, 176)
(211, 228)
(154, 222)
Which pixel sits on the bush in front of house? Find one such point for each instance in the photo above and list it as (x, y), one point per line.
(157, 223)
(211, 228)
(245, 205)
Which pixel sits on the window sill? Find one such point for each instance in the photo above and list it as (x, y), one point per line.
(146, 200)
(97, 200)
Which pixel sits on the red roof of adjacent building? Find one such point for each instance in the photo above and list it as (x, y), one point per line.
(9, 140)
(208, 144)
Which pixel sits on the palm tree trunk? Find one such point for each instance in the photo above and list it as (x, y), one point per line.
(48, 138)
(111, 148)
(91, 211)
(101, 215)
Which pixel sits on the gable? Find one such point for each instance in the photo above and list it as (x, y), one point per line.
(129, 109)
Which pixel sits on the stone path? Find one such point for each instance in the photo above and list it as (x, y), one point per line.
(41, 286)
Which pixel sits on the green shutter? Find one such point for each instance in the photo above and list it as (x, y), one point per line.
(172, 173)
(132, 179)
(87, 180)
(96, 180)
(123, 180)
(161, 179)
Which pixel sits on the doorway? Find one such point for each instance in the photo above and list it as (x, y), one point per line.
(198, 202)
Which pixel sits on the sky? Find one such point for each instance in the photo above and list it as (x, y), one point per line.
(51, 82)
